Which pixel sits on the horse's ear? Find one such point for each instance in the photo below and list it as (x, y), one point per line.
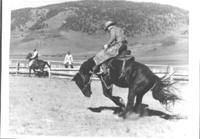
(74, 78)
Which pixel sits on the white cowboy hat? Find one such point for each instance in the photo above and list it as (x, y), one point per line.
(108, 24)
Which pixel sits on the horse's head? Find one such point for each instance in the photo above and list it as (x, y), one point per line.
(83, 82)
(29, 55)
(82, 78)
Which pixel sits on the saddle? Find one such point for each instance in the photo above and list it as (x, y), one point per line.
(124, 57)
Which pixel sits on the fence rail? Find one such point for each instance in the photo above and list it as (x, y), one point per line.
(20, 66)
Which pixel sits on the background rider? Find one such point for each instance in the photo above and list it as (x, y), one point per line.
(34, 57)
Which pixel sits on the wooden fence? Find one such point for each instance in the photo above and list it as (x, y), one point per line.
(20, 66)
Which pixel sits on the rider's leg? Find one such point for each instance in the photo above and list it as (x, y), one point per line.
(101, 69)
(95, 69)
(35, 62)
(99, 58)
(30, 63)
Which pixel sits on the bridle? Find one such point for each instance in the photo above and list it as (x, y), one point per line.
(105, 84)
(86, 85)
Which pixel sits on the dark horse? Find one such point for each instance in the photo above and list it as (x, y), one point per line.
(138, 78)
(37, 65)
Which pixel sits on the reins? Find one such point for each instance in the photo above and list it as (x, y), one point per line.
(86, 85)
(103, 81)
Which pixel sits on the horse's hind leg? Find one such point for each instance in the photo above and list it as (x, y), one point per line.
(131, 97)
(138, 101)
(147, 84)
(137, 89)
(138, 108)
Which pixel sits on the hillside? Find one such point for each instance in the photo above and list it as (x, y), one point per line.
(78, 26)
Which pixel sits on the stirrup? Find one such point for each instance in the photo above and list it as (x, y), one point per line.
(123, 68)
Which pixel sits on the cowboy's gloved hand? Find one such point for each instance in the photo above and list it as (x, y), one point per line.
(105, 46)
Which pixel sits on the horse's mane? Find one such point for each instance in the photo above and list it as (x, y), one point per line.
(87, 66)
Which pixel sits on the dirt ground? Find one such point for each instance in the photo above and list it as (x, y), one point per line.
(56, 107)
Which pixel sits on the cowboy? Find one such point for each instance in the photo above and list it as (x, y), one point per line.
(116, 45)
(34, 57)
(68, 61)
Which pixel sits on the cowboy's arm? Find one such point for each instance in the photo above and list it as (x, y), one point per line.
(34, 55)
(112, 38)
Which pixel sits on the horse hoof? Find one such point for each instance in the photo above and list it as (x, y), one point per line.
(117, 117)
(122, 115)
(145, 105)
(122, 102)
(118, 110)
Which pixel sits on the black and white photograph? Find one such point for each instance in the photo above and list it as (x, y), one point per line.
(98, 68)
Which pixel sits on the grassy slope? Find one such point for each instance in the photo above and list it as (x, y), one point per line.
(167, 49)
(53, 42)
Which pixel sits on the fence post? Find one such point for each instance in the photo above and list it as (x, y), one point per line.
(170, 71)
(49, 69)
(17, 67)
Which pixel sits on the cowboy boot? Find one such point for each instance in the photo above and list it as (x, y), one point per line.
(95, 68)
(102, 69)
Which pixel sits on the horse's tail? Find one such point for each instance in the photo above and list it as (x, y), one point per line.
(162, 91)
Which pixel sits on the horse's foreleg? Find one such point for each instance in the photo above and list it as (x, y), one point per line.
(42, 68)
(29, 72)
(117, 100)
(34, 71)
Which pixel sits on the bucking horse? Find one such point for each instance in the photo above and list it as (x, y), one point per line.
(38, 66)
(138, 78)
